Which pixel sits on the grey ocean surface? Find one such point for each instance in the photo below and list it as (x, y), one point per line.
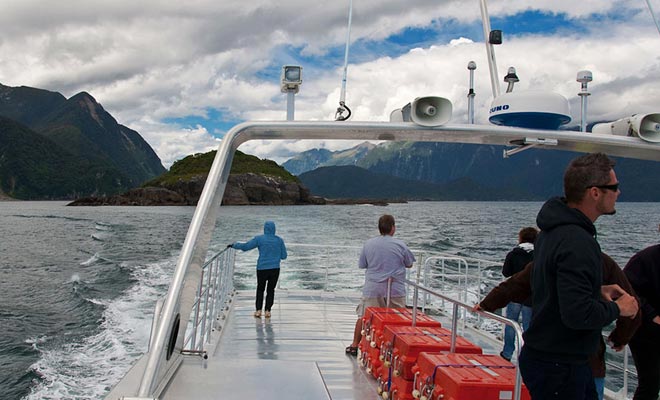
(78, 284)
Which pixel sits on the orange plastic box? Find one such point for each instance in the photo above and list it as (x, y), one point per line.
(373, 322)
(375, 318)
(407, 342)
(465, 377)
(399, 388)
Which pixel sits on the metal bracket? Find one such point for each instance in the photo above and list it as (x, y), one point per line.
(526, 144)
(201, 353)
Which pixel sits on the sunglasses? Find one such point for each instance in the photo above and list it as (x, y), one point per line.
(613, 187)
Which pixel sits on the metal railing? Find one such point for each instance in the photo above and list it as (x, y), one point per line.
(455, 316)
(213, 295)
(468, 279)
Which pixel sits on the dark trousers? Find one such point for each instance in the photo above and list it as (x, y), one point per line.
(266, 280)
(645, 349)
(552, 380)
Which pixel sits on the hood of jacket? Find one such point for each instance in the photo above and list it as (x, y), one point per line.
(269, 228)
(556, 212)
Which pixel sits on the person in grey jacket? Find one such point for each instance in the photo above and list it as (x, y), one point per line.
(271, 251)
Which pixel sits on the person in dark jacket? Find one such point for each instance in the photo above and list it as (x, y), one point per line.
(518, 287)
(514, 262)
(643, 272)
(271, 251)
(568, 310)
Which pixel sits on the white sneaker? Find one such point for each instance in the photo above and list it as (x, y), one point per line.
(257, 314)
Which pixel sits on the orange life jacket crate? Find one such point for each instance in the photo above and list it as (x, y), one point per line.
(373, 322)
(375, 318)
(403, 344)
(465, 377)
(396, 388)
(369, 358)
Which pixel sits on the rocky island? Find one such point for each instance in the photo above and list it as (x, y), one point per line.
(251, 182)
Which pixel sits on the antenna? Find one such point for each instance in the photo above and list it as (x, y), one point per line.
(491, 38)
(342, 97)
(471, 67)
(648, 3)
(584, 77)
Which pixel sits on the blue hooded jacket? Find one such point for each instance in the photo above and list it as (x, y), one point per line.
(271, 247)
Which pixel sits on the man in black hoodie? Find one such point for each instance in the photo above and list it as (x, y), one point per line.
(569, 309)
(643, 272)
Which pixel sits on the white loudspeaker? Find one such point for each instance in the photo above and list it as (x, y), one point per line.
(431, 111)
(425, 111)
(647, 126)
(644, 126)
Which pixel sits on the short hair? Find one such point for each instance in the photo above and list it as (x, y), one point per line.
(586, 171)
(385, 224)
(528, 234)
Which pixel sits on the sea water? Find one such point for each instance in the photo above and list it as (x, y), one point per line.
(78, 284)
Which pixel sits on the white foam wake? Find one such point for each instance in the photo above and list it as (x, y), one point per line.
(89, 368)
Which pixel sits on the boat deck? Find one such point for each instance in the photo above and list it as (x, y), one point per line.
(296, 354)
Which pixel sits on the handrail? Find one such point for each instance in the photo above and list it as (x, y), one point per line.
(454, 325)
(216, 285)
(214, 288)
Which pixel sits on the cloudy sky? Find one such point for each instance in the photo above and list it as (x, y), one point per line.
(183, 73)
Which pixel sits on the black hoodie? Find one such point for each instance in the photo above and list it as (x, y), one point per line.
(643, 272)
(568, 311)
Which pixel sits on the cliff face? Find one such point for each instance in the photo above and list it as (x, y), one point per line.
(241, 189)
(244, 189)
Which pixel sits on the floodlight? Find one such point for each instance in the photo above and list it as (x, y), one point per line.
(291, 78)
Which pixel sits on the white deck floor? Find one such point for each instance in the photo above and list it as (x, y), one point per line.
(296, 354)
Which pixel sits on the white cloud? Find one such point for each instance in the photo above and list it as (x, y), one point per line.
(152, 61)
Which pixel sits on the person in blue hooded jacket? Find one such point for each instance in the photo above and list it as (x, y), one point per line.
(271, 251)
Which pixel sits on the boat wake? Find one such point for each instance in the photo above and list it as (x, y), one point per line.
(88, 368)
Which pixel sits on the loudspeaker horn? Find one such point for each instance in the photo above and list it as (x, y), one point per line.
(430, 111)
(647, 126)
(644, 126)
(425, 111)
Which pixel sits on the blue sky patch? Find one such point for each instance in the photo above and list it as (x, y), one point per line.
(216, 122)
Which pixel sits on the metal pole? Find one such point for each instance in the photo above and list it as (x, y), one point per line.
(342, 96)
(583, 121)
(454, 328)
(389, 291)
(655, 20)
(490, 50)
(290, 104)
(471, 67)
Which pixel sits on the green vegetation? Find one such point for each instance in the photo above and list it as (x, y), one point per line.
(200, 164)
(57, 148)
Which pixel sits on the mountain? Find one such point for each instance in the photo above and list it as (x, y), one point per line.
(534, 174)
(356, 182)
(80, 131)
(312, 159)
(33, 167)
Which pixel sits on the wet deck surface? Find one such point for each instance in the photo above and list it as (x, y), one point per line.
(296, 354)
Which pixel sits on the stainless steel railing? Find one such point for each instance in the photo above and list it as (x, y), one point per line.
(215, 289)
(443, 279)
(455, 316)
